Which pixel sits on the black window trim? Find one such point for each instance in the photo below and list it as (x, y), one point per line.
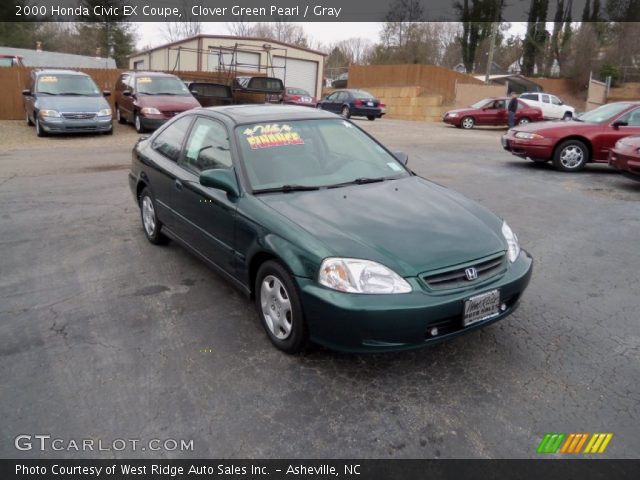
(163, 128)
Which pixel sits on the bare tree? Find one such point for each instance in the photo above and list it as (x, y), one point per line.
(240, 29)
(174, 31)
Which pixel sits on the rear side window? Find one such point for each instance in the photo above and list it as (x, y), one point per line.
(208, 146)
(545, 98)
(169, 141)
(528, 96)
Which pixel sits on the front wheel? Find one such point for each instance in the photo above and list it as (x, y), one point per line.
(137, 123)
(29, 122)
(571, 156)
(39, 131)
(371, 117)
(150, 222)
(279, 308)
(346, 113)
(467, 123)
(567, 116)
(524, 121)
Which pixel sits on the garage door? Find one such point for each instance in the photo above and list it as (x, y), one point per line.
(299, 73)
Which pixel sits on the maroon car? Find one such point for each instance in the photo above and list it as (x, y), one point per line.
(298, 96)
(571, 145)
(491, 111)
(625, 157)
(149, 99)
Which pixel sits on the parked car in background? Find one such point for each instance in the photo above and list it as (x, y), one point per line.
(325, 229)
(299, 96)
(7, 60)
(149, 99)
(552, 107)
(491, 111)
(353, 103)
(625, 157)
(573, 144)
(210, 94)
(65, 101)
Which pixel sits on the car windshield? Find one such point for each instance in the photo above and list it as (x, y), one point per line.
(482, 103)
(161, 86)
(67, 85)
(362, 95)
(604, 113)
(298, 91)
(313, 153)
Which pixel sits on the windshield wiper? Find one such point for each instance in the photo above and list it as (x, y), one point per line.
(167, 93)
(359, 181)
(75, 93)
(46, 93)
(287, 189)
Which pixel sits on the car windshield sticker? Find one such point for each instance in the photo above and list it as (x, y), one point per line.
(394, 166)
(49, 79)
(274, 135)
(144, 80)
(347, 124)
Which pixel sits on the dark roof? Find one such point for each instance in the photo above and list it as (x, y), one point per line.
(140, 73)
(227, 37)
(240, 114)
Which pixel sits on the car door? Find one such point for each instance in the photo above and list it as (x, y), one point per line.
(127, 101)
(326, 104)
(547, 109)
(207, 214)
(556, 106)
(500, 113)
(487, 115)
(611, 134)
(163, 174)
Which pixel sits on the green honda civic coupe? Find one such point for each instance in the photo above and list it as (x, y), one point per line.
(330, 233)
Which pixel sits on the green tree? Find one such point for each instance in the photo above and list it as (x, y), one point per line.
(477, 17)
(536, 37)
(16, 34)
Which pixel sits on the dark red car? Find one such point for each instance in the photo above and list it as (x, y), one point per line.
(571, 145)
(298, 96)
(491, 111)
(625, 157)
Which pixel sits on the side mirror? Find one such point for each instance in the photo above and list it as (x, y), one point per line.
(106, 93)
(402, 157)
(221, 178)
(26, 92)
(619, 123)
(127, 93)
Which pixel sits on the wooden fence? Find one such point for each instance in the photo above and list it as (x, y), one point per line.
(433, 79)
(14, 80)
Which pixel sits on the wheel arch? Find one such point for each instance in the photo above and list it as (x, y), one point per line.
(584, 140)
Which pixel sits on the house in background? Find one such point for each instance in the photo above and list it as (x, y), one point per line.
(296, 66)
(42, 58)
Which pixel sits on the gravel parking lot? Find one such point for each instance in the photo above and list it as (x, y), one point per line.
(106, 336)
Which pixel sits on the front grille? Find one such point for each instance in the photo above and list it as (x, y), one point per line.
(79, 115)
(457, 277)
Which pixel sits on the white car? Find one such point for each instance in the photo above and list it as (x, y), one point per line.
(552, 107)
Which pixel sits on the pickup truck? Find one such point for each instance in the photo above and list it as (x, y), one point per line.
(552, 107)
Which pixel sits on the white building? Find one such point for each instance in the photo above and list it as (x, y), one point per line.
(296, 66)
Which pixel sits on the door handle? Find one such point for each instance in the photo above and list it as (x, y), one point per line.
(178, 184)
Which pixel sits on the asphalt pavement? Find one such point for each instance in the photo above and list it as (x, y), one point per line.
(105, 336)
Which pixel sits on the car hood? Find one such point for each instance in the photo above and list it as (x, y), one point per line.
(72, 103)
(410, 225)
(462, 110)
(168, 102)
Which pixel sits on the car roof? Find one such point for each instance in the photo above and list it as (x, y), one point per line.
(58, 71)
(252, 113)
(147, 74)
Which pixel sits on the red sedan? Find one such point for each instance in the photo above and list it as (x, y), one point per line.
(571, 145)
(491, 111)
(298, 96)
(625, 156)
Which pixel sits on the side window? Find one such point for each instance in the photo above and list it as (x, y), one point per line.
(555, 100)
(632, 118)
(545, 98)
(529, 96)
(500, 104)
(169, 141)
(208, 146)
(332, 97)
(342, 96)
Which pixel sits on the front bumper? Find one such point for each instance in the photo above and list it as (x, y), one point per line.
(62, 125)
(152, 122)
(528, 148)
(376, 323)
(625, 164)
(451, 120)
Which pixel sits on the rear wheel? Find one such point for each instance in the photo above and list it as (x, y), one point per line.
(279, 308)
(571, 156)
(137, 123)
(345, 112)
(567, 116)
(371, 117)
(150, 223)
(467, 123)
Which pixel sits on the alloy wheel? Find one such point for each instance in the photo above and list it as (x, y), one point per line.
(276, 307)
(148, 216)
(571, 156)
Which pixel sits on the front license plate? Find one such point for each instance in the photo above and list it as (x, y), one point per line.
(481, 307)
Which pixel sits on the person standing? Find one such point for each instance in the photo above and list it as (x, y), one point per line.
(512, 108)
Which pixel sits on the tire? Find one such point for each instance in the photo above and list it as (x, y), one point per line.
(29, 122)
(345, 112)
(39, 131)
(137, 123)
(467, 123)
(150, 224)
(524, 121)
(567, 116)
(279, 308)
(371, 117)
(539, 161)
(108, 132)
(571, 156)
(119, 116)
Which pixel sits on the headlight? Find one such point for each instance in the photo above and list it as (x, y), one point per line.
(48, 113)
(105, 112)
(528, 136)
(360, 276)
(452, 115)
(513, 248)
(150, 111)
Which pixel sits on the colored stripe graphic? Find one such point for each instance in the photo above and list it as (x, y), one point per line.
(573, 443)
(598, 442)
(551, 442)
